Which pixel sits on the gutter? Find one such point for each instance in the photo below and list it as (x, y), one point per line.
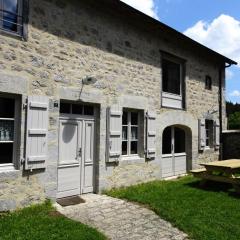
(220, 105)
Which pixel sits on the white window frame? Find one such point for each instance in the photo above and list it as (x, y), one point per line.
(173, 153)
(76, 103)
(173, 100)
(19, 31)
(13, 165)
(129, 139)
(209, 128)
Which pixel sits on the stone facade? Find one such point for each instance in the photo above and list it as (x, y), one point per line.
(19, 191)
(69, 40)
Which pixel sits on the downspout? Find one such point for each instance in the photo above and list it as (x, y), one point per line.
(220, 106)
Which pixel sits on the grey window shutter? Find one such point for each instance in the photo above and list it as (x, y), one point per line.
(202, 134)
(151, 135)
(114, 133)
(216, 134)
(36, 133)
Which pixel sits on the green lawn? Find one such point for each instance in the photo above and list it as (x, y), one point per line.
(41, 222)
(209, 213)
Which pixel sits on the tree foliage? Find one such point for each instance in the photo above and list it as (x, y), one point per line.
(233, 114)
(234, 120)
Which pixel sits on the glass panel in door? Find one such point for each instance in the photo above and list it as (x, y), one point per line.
(179, 154)
(179, 140)
(167, 141)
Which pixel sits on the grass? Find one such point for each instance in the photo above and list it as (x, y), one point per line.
(209, 213)
(42, 222)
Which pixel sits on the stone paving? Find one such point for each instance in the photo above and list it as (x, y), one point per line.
(121, 220)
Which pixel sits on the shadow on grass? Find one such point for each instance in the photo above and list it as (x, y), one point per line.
(212, 186)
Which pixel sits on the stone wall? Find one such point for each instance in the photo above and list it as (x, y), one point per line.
(231, 144)
(60, 52)
(129, 173)
(17, 191)
(69, 40)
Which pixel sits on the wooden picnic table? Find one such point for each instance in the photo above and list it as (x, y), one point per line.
(226, 171)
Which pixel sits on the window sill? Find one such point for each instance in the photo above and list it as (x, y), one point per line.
(15, 35)
(172, 95)
(9, 175)
(174, 155)
(174, 108)
(7, 168)
(127, 160)
(209, 150)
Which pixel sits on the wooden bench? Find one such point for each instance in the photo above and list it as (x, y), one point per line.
(198, 172)
(221, 171)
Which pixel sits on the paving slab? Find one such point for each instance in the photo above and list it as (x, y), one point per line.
(121, 220)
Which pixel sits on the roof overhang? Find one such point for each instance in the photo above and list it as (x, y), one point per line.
(153, 25)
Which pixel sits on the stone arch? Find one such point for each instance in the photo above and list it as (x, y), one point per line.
(189, 124)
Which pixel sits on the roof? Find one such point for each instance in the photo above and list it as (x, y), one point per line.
(153, 25)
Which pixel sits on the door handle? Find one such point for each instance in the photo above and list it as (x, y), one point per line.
(80, 152)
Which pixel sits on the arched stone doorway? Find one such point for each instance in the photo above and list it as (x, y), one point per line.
(176, 150)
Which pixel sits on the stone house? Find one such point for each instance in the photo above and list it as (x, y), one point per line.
(95, 95)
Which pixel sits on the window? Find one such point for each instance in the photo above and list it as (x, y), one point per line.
(172, 82)
(79, 109)
(208, 83)
(11, 19)
(130, 132)
(209, 133)
(173, 140)
(7, 122)
(171, 77)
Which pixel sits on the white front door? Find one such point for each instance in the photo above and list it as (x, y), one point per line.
(173, 152)
(76, 156)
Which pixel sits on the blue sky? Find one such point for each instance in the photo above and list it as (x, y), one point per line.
(214, 23)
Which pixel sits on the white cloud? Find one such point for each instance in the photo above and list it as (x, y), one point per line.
(222, 35)
(235, 93)
(146, 6)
